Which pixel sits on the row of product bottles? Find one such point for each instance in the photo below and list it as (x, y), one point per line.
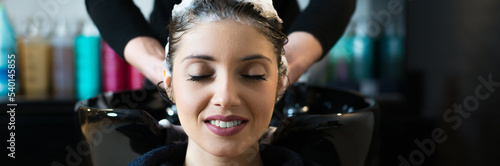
(64, 65)
(361, 57)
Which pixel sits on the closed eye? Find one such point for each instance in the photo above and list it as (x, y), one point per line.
(255, 77)
(198, 78)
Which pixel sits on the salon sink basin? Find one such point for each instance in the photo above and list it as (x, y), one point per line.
(328, 126)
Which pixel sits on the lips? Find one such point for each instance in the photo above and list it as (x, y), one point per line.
(225, 125)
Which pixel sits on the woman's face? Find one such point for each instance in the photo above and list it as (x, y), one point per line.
(225, 77)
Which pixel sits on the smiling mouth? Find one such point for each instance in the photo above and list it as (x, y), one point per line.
(226, 127)
(225, 124)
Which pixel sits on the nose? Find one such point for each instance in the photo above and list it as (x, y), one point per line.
(226, 93)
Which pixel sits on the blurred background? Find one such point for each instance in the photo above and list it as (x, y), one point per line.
(432, 66)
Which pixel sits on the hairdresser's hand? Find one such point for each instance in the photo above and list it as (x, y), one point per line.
(301, 51)
(146, 54)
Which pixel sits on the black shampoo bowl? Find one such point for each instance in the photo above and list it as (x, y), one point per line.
(328, 126)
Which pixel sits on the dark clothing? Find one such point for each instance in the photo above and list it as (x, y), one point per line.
(119, 21)
(175, 154)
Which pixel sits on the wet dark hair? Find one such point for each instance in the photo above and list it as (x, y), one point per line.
(222, 10)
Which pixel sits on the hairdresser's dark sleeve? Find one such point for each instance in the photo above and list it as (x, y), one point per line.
(118, 21)
(326, 20)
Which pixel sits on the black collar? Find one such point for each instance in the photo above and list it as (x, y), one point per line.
(175, 154)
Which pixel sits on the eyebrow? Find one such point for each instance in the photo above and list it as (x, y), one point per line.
(210, 58)
(203, 57)
(256, 56)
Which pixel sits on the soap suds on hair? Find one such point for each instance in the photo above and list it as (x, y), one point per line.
(265, 6)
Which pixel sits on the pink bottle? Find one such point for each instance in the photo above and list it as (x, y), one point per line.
(114, 70)
(135, 78)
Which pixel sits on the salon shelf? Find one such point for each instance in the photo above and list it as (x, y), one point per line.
(52, 106)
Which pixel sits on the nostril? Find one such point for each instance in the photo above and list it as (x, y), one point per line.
(225, 95)
(217, 105)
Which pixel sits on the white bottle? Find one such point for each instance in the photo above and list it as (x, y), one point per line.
(63, 69)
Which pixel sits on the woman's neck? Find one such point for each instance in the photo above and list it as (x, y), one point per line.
(195, 155)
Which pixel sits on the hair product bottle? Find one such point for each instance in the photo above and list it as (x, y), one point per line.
(87, 62)
(135, 78)
(341, 57)
(362, 45)
(114, 70)
(393, 50)
(63, 61)
(36, 57)
(7, 53)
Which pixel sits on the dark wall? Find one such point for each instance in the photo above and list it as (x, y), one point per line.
(451, 45)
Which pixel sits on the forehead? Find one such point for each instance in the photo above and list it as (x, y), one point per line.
(224, 39)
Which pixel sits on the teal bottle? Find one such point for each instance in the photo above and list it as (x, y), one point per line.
(362, 47)
(392, 51)
(341, 57)
(88, 62)
(8, 56)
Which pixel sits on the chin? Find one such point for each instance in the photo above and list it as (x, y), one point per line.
(228, 149)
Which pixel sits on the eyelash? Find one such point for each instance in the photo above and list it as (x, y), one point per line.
(198, 78)
(203, 77)
(255, 77)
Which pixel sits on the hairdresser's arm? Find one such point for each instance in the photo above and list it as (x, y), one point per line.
(125, 29)
(301, 51)
(314, 32)
(146, 54)
(119, 21)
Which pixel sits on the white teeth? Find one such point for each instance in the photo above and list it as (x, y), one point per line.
(224, 124)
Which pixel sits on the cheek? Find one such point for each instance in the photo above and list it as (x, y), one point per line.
(261, 102)
(188, 105)
(188, 97)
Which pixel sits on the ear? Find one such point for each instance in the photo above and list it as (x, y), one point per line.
(167, 81)
(167, 78)
(282, 86)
